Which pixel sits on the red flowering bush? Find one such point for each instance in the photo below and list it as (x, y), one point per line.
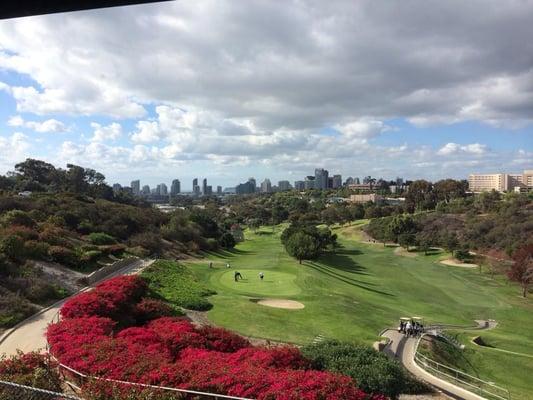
(220, 339)
(149, 309)
(114, 298)
(173, 352)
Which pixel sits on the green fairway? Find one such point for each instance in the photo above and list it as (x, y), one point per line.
(362, 288)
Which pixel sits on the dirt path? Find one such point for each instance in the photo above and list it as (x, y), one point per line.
(29, 334)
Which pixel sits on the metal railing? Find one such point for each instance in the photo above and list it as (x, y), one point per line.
(460, 378)
(16, 391)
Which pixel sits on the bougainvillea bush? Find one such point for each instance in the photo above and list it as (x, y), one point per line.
(30, 369)
(101, 334)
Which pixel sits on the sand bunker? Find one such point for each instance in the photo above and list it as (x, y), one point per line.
(400, 251)
(456, 263)
(288, 304)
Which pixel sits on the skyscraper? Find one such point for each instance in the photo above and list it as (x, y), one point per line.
(299, 185)
(136, 187)
(175, 188)
(321, 178)
(195, 187)
(309, 182)
(146, 190)
(349, 181)
(163, 190)
(116, 187)
(337, 181)
(253, 183)
(284, 185)
(219, 190)
(266, 186)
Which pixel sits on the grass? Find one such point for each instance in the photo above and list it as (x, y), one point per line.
(177, 285)
(362, 288)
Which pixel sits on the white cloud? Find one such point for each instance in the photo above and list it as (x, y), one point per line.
(450, 149)
(364, 128)
(13, 149)
(103, 133)
(47, 126)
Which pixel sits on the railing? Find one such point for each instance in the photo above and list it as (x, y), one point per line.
(461, 378)
(15, 391)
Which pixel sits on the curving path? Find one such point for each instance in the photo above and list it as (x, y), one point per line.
(403, 348)
(29, 334)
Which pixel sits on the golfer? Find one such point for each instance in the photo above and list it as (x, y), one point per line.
(261, 275)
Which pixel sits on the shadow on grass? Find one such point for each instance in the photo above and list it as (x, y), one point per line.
(226, 253)
(350, 281)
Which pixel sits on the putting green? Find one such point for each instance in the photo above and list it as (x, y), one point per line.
(274, 284)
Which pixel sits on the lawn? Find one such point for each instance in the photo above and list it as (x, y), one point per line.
(362, 288)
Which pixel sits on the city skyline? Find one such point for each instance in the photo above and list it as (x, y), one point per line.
(249, 101)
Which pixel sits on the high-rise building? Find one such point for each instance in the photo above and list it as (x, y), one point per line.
(330, 183)
(163, 190)
(204, 186)
(245, 188)
(337, 181)
(117, 187)
(284, 185)
(309, 182)
(219, 190)
(136, 187)
(208, 191)
(321, 178)
(253, 182)
(266, 186)
(356, 181)
(349, 181)
(299, 185)
(175, 188)
(146, 190)
(195, 187)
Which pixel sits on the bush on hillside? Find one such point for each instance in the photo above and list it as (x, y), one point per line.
(374, 372)
(30, 369)
(148, 309)
(100, 238)
(17, 217)
(149, 240)
(227, 241)
(36, 250)
(13, 247)
(63, 255)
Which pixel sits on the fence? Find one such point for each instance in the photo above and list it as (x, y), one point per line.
(14, 391)
(460, 378)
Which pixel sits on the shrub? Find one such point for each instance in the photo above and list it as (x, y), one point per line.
(149, 309)
(220, 339)
(13, 247)
(62, 255)
(114, 249)
(22, 231)
(17, 217)
(374, 372)
(149, 240)
(101, 238)
(36, 250)
(227, 240)
(30, 369)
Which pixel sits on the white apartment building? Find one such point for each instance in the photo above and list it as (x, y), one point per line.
(500, 182)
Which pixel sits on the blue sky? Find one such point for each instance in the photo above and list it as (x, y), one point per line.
(227, 91)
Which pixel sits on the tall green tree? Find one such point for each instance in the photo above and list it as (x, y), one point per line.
(302, 246)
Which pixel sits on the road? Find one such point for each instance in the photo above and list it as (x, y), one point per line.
(29, 335)
(403, 349)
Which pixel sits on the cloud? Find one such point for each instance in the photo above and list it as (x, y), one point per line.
(103, 133)
(363, 128)
(314, 64)
(47, 126)
(13, 149)
(450, 149)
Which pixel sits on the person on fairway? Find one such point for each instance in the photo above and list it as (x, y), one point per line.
(210, 264)
(261, 275)
(237, 275)
(227, 265)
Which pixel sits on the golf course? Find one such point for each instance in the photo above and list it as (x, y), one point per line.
(361, 288)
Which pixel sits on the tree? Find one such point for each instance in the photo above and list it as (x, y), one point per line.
(522, 269)
(254, 224)
(302, 246)
(227, 240)
(420, 196)
(449, 189)
(406, 240)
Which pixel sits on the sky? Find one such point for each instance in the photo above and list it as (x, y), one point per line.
(272, 89)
